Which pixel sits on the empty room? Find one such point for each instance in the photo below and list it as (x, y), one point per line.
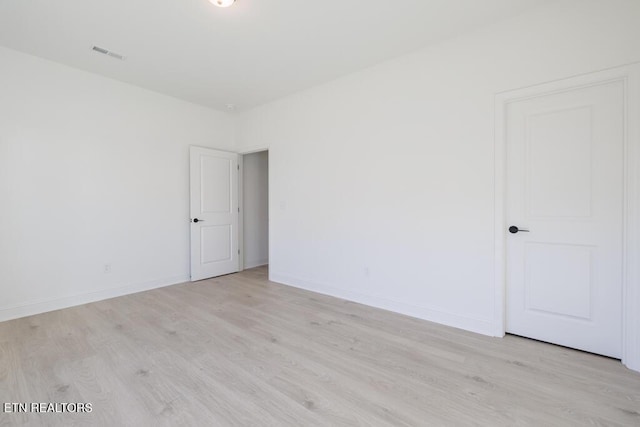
(320, 213)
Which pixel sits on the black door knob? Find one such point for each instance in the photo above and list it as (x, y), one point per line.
(513, 230)
(196, 220)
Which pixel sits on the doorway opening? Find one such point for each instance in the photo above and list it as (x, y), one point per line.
(255, 211)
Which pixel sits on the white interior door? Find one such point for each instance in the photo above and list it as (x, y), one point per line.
(214, 213)
(565, 185)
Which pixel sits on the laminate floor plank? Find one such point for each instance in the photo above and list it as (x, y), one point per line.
(239, 350)
(398, 386)
(284, 368)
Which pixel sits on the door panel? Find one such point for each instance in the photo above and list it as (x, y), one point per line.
(554, 141)
(214, 204)
(563, 271)
(216, 243)
(565, 185)
(215, 182)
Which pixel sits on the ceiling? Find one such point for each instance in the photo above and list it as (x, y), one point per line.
(250, 53)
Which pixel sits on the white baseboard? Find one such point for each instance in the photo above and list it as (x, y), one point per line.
(480, 326)
(45, 305)
(253, 264)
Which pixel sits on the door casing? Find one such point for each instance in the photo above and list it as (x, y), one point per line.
(629, 75)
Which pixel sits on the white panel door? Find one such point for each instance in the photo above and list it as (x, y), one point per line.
(565, 186)
(214, 213)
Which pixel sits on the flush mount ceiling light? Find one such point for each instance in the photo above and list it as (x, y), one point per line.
(223, 3)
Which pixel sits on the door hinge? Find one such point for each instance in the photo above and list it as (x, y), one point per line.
(238, 209)
(238, 251)
(238, 167)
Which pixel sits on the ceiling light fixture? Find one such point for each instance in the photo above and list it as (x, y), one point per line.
(223, 3)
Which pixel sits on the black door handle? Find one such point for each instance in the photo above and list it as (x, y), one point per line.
(196, 220)
(513, 230)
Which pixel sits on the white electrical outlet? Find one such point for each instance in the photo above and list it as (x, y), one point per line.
(107, 268)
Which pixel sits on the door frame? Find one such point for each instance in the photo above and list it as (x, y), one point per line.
(629, 75)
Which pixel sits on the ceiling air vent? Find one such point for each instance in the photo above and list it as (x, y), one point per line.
(107, 52)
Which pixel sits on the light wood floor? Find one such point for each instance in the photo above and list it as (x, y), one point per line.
(240, 350)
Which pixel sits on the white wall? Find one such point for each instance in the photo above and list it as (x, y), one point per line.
(256, 209)
(382, 185)
(92, 172)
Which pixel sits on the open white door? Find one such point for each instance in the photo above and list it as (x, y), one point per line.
(214, 213)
